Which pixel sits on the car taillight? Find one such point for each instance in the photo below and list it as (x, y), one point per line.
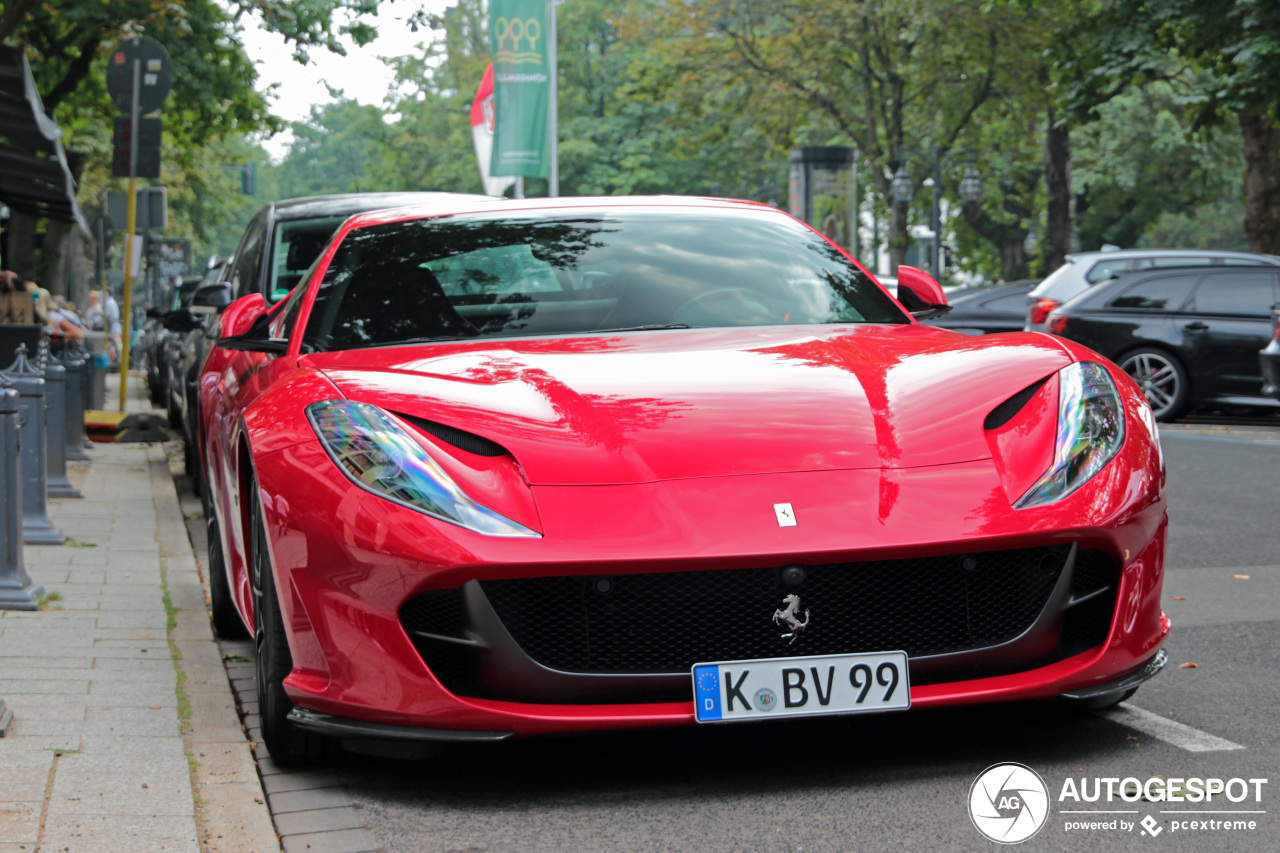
(1275, 333)
(1057, 324)
(1040, 310)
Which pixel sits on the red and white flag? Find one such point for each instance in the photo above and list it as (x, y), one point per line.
(482, 119)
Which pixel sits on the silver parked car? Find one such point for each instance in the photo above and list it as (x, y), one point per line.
(1085, 269)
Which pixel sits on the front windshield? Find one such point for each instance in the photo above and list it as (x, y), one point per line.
(574, 272)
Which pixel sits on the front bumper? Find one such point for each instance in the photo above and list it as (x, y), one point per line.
(347, 563)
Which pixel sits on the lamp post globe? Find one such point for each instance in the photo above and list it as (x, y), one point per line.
(971, 187)
(902, 188)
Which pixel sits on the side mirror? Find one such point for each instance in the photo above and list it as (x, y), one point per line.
(215, 296)
(920, 294)
(239, 315)
(180, 320)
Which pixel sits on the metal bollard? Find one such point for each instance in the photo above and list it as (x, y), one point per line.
(37, 529)
(86, 388)
(55, 402)
(74, 364)
(17, 590)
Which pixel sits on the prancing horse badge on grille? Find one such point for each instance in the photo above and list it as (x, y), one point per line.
(792, 604)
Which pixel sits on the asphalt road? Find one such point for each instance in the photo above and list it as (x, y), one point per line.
(903, 781)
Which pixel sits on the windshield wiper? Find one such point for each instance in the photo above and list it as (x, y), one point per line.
(649, 327)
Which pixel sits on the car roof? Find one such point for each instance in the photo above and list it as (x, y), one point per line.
(454, 204)
(1075, 257)
(349, 204)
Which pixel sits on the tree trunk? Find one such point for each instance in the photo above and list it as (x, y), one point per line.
(22, 244)
(56, 250)
(898, 239)
(1006, 237)
(1261, 183)
(1057, 177)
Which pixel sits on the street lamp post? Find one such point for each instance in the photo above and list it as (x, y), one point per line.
(902, 188)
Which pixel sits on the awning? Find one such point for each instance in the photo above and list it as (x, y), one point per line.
(34, 177)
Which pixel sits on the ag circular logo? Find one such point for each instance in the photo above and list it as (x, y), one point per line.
(1009, 803)
(765, 699)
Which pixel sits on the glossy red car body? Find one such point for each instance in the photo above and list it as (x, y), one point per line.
(655, 452)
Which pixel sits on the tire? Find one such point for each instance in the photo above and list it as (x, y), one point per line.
(289, 745)
(226, 619)
(1162, 379)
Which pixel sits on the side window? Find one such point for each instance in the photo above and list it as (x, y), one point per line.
(1157, 294)
(285, 320)
(244, 273)
(1103, 270)
(1236, 293)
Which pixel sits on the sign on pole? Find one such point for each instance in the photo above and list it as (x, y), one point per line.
(521, 87)
(155, 78)
(139, 77)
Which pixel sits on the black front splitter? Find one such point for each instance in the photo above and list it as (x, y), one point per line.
(342, 727)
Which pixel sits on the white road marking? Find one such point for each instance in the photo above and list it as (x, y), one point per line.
(1169, 731)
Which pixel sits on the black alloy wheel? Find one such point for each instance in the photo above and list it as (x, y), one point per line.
(1162, 379)
(289, 745)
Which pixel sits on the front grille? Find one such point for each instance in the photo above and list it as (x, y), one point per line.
(666, 622)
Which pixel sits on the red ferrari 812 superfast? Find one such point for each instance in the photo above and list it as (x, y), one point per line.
(499, 468)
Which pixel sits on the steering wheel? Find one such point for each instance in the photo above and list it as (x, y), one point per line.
(741, 297)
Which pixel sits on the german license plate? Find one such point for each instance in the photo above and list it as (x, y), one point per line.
(797, 687)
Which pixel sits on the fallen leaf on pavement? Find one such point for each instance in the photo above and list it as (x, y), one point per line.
(1179, 598)
(155, 707)
(1188, 665)
(1241, 577)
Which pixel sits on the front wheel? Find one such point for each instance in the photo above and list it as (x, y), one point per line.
(226, 618)
(289, 745)
(1162, 379)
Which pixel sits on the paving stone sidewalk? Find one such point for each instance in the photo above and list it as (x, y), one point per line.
(125, 736)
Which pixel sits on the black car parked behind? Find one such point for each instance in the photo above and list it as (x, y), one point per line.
(1190, 336)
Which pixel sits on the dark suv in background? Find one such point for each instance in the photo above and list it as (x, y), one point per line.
(1190, 336)
(279, 245)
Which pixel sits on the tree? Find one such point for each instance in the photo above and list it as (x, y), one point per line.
(879, 74)
(1231, 55)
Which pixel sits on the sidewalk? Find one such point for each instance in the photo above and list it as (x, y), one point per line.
(125, 734)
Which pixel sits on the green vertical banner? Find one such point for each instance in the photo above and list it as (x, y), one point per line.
(521, 87)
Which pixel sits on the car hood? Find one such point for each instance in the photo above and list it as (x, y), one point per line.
(647, 406)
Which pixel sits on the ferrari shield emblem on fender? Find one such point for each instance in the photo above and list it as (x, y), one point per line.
(788, 615)
(786, 515)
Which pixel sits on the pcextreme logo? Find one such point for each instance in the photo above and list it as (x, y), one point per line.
(1009, 803)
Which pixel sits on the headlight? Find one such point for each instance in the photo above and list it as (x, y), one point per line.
(380, 457)
(1090, 432)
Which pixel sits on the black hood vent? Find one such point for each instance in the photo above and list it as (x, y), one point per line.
(459, 438)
